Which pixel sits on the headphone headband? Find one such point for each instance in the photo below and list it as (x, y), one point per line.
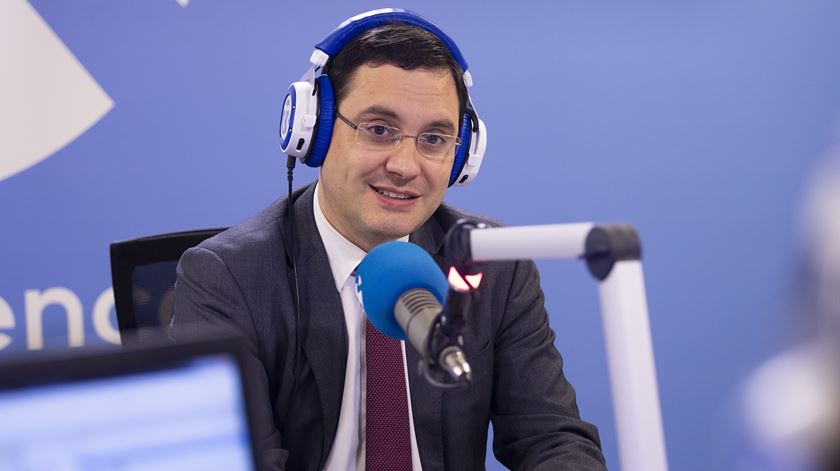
(352, 27)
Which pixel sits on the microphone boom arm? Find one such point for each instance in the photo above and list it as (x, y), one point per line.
(613, 255)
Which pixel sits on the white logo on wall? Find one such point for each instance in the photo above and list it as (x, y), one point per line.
(47, 97)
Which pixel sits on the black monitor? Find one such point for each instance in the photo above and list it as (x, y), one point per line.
(151, 407)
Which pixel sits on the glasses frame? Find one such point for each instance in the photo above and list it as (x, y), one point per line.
(397, 142)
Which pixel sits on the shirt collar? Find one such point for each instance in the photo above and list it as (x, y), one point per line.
(344, 256)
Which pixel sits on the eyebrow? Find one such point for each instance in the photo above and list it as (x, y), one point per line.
(377, 110)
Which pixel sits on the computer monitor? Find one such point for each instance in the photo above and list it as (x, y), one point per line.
(153, 408)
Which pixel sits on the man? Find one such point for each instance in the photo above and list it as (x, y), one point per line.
(398, 103)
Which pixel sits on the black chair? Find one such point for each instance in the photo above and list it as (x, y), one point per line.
(143, 275)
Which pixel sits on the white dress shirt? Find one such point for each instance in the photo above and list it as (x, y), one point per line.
(348, 450)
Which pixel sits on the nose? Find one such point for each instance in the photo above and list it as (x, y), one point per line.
(404, 159)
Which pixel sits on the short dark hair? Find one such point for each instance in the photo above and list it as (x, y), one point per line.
(398, 44)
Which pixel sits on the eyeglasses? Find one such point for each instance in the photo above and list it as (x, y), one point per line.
(375, 136)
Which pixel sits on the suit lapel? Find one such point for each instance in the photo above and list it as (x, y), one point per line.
(325, 334)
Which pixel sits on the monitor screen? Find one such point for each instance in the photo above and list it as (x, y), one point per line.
(190, 415)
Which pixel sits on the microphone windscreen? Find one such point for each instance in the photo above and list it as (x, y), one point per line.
(390, 270)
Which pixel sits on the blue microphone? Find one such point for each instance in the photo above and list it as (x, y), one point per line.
(402, 291)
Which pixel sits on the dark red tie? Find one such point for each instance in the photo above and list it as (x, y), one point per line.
(387, 435)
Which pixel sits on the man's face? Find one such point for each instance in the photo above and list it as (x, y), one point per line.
(372, 197)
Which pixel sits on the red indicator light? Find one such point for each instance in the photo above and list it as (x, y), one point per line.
(474, 280)
(463, 284)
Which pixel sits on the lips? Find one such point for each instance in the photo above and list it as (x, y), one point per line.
(394, 194)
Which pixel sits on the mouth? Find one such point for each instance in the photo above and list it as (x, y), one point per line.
(393, 194)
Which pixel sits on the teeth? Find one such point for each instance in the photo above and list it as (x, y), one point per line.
(393, 195)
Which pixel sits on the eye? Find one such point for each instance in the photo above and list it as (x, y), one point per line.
(379, 134)
(435, 140)
(379, 130)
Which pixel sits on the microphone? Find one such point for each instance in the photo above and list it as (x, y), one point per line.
(402, 292)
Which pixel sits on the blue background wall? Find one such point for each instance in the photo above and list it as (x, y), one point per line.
(696, 121)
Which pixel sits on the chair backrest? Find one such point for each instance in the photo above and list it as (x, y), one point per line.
(143, 275)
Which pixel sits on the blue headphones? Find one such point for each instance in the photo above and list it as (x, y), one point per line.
(309, 107)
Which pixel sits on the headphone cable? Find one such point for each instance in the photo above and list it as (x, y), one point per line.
(290, 215)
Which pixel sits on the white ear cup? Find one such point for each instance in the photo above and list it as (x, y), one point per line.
(299, 118)
(478, 144)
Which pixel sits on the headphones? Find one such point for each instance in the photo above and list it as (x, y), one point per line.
(309, 107)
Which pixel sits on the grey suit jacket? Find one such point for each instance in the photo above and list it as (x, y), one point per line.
(240, 281)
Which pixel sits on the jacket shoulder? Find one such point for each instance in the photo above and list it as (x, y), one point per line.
(262, 231)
